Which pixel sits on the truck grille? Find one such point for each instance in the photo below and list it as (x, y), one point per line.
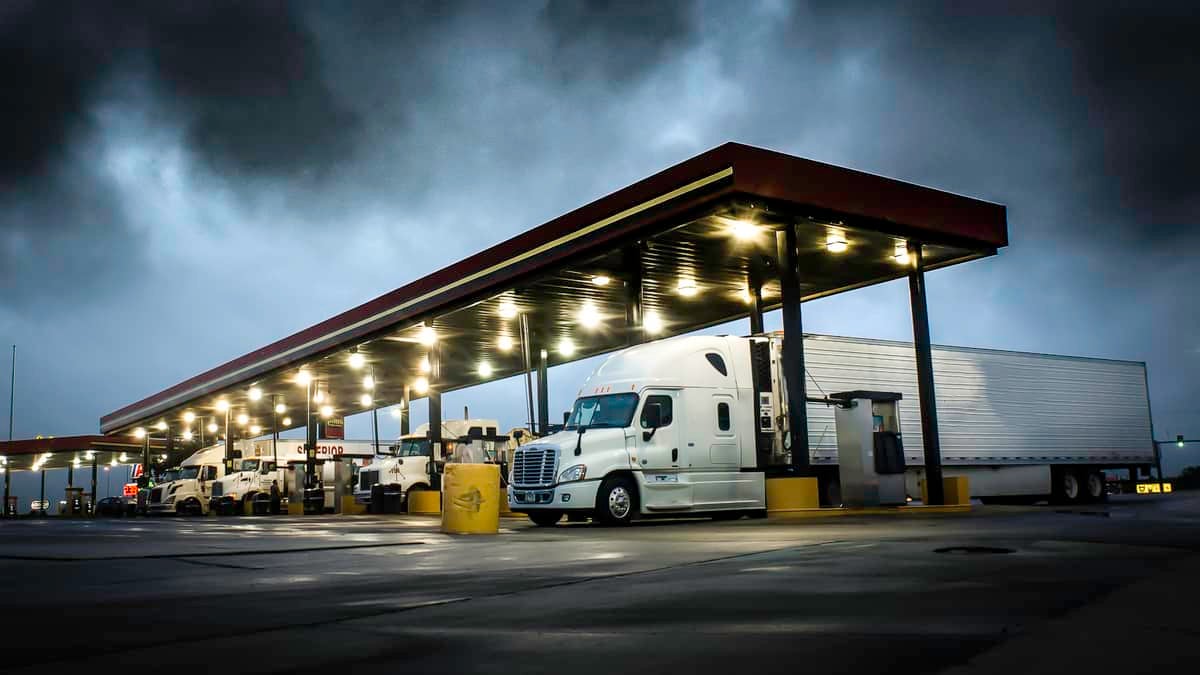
(367, 478)
(534, 467)
(218, 490)
(156, 495)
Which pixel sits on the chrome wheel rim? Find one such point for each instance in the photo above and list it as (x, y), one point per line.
(618, 502)
(1095, 486)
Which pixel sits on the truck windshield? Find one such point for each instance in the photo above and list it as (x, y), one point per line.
(249, 465)
(611, 411)
(189, 472)
(413, 447)
(169, 475)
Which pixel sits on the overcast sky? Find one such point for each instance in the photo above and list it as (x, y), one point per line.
(180, 186)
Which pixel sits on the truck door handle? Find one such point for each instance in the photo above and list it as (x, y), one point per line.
(674, 454)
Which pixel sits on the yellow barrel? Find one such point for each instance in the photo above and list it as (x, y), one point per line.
(955, 489)
(424, 503)
(471, 499)
(792, 493)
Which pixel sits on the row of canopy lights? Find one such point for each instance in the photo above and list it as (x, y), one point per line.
(588, 317)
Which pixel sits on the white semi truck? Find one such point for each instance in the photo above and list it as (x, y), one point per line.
(191, 488)
(405, 465)
(262, 463)
(693, 424)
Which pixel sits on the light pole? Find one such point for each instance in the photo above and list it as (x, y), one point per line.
(12, 397)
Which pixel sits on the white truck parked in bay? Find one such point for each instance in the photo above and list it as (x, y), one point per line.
(692, 424)
(262, 463)
(191, 488)
(405, 465)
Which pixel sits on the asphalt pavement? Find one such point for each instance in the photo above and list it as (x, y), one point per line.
(1038, 589)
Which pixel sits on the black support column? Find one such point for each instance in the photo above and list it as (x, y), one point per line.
(754, 286)
(543, 390)
(95, 460)
(793, 346)
(435, 415)
(634, 311)
(924, 355)
(404, 412)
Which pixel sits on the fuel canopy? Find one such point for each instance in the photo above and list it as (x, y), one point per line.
(678, 251)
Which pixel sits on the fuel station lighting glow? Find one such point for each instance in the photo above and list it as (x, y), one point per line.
(161, 426)
(189, 417)
(504, 343)
(287, 421)
(124, 457)
(280, 408)
(588, 316)
(687, 288)
(222, 405)
(319, 396)
(326, 411)
(743, 230)
(369, 382)
(303, 377)
(835, 241)
(427, 336)
(243, 419)
(212, 427)
(255, 430)
(425, 366)
(508, 310)
(366, 400)
(566, 347)
(255, 393)
(114, 461)
(397, 412)
(901, 253)
(600, 280)
(652, 323)
(139, 433)
(485, 369)
(75, 462)
(187, 434)
(420, 385)
(746, 296)
(357, 360)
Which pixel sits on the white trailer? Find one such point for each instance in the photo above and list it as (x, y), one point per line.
(692, 424)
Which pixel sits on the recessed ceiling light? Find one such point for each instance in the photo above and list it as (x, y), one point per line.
(566, 347)
(687, 288)
(485, 369)
(508, 310)
(652, 324)
(357, 360)
(504, 343)
(743, 230)
(600, 280)
(588, 316)
(427, 336)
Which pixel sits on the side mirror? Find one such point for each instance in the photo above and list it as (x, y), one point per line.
(399, 460)
(651, 419)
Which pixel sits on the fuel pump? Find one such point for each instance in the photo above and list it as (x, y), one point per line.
(870, 451)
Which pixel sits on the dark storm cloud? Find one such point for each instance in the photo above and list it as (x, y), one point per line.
(245, 78)
(615, 40)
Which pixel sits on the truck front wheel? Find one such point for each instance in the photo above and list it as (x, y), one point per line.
(545, 518)
(1094, 488)
(616, 501)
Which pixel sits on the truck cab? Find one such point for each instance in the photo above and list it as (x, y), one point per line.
(250, 476)
(189, 492)
(661, 428)
(406, 464)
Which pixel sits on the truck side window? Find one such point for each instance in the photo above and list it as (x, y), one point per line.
(664, 402)
(717, 362)
(210, 473)
(723, 421)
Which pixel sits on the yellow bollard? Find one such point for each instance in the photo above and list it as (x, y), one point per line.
(424, 503)
(786, 494)
(956, 490)
(471, 499)
(295, 507)
(351, 507)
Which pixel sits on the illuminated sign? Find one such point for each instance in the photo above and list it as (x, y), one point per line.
(131, 489)
(136, 471)
(332, 428)
(1153, 488)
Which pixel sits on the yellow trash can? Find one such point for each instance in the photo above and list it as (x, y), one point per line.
(785, 494)
(471, 499)
(956, 490)
(424, 502)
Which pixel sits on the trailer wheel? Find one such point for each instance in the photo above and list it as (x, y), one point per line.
(1068, 488)
(616, 501)
(545, 518)
(1094, 487)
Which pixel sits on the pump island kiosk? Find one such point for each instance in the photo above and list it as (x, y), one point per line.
(727, 234)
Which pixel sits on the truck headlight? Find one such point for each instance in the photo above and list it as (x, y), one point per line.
(573, 473)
